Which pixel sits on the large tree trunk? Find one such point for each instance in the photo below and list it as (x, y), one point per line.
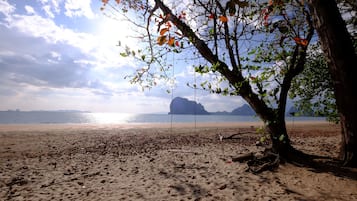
(342, 60)
(280, 139)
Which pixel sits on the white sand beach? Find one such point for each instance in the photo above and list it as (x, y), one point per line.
(161, 162)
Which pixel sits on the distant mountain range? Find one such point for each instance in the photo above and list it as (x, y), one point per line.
(181, 105)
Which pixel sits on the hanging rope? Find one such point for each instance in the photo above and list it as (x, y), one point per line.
(195, 97)
(172, 90)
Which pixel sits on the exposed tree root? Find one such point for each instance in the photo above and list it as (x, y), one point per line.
(269, 161)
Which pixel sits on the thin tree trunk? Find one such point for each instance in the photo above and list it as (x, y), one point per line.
(342, 60)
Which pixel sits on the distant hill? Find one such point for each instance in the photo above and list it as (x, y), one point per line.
(181, 105)
(244, 110)
(184, 106)
(220, 113)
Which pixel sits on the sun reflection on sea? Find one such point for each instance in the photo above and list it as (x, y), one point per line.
(111, 118)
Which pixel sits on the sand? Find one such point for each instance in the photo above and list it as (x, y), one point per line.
(160, 162)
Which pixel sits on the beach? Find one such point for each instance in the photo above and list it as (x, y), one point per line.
(163, 162)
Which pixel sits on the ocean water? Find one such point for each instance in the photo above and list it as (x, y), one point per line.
(19, 117)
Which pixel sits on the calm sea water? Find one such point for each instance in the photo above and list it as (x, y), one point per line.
(122, 118)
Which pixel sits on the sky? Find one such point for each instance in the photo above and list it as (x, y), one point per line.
(62, 55)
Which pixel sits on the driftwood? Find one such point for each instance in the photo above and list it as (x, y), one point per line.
(243, 158)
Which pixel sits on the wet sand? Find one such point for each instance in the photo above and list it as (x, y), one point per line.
(161, 162)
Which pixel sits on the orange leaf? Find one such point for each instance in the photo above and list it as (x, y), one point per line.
(300, 41)
(118, 1)
(163, 31)
(161, 40)
(168, 24)
(304, 42)
(223, 19)
(105, 1)
(171, 41)
(297, 39)
(177, 44)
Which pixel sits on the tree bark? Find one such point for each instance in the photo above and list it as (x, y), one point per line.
(342, 60)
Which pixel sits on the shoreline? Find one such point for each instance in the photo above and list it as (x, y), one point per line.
(28, 127)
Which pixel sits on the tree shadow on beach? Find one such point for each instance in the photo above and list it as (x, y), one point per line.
(324, 164)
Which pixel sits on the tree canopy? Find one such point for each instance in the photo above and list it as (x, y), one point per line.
(254, 49)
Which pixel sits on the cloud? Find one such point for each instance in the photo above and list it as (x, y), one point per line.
(30, 10)
(47, 61)
(47, 9)
(76, 8)
(6, 8)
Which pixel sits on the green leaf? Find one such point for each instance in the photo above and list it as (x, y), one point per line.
(282, 137)
(263, 139)
(123, 54)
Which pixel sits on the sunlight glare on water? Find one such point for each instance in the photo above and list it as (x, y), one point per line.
(111, 118)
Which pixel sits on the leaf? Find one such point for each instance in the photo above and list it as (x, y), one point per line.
(163, 31)
(281, 138)
(123, 54)
(223, 19)
(211, 16)
(304, 42)
(177, 44)
(161, 40)
(262, 139)
(211, 32)
(231, 7)
(105, 1)
(242, 4)
(171, 41)
(300, 41)
(118, 1)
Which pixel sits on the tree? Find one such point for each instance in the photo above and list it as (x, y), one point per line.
(254, 49)
(313, 88)
(342, 61)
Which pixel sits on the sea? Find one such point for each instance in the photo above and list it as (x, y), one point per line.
(49, 117)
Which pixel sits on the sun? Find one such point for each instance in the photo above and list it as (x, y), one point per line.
(116, 32)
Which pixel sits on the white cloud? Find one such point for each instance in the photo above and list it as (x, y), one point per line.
(47, 9)
(51, 7)
(76, 8)
(6, 8)
(55, 55)
(30, 10)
